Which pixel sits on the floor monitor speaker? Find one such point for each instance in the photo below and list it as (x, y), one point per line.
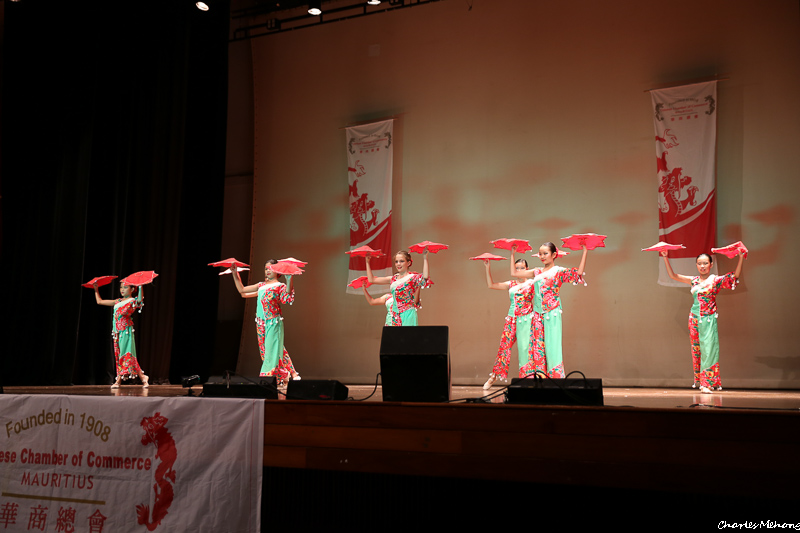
(241, 387)
(544, 391)
(415, 363)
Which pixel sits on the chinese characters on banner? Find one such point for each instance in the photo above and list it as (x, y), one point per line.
(685, 120)
(369, 175)
(88, 464)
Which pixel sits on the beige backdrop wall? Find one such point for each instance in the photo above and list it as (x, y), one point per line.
(530, 119)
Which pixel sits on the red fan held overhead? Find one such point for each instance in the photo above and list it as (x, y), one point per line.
(590, 240)
(732, 250)
(228, 263)
(488, 257)
(432, 247)
(364, 251)
(288, 269)
(292, 260)
(505, 244)
(359, 282)
(99, 281)
(140, 278)
(662, 246)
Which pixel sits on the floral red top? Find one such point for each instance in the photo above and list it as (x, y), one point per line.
(705, 293)
(123, 314)
(270, 298)
(521, 297)
(403, 292)
(546, 293)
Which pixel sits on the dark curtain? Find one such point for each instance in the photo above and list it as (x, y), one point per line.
(113, 157)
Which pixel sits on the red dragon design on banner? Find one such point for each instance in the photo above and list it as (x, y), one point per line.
(360, 208)
(155, 432)
(677, 193)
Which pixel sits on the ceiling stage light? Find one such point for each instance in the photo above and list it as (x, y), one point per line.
(202, 6)
(315, 7)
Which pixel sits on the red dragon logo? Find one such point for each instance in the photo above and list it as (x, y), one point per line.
(673, 186)
(155, 432)
(360, 207)
(677, 195)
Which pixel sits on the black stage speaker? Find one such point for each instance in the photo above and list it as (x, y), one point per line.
(240, 387)
(415, 364)
(570, 391)
(316, 389)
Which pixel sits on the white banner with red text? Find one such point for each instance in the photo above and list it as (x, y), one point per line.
(108, 464)
(685, 120)
(369, 175)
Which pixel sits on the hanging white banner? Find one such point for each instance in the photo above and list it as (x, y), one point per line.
(82, 463)
(369, 175)
(685, 122)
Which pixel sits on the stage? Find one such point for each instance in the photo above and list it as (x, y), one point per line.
(739, 445)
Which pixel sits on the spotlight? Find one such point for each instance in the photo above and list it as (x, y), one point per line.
(190, 381)
(202, 6)
(374, 2)
(315, 7)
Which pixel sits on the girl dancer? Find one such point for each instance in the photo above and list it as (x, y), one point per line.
(405, 287)
(271, 293)
(518, 322)
(703, 318)
(122, 332)
(546, 324)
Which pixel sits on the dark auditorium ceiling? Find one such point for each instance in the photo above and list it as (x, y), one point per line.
(255, 18)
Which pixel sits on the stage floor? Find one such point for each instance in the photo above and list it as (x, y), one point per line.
(653, 398)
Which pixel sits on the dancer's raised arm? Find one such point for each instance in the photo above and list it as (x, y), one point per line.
(380, 300)
(490, 282)
(100, 301)
(383, 280)
(582, 264)
(671, 273)
(738, 270)
(290, 287)
(250, 291)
